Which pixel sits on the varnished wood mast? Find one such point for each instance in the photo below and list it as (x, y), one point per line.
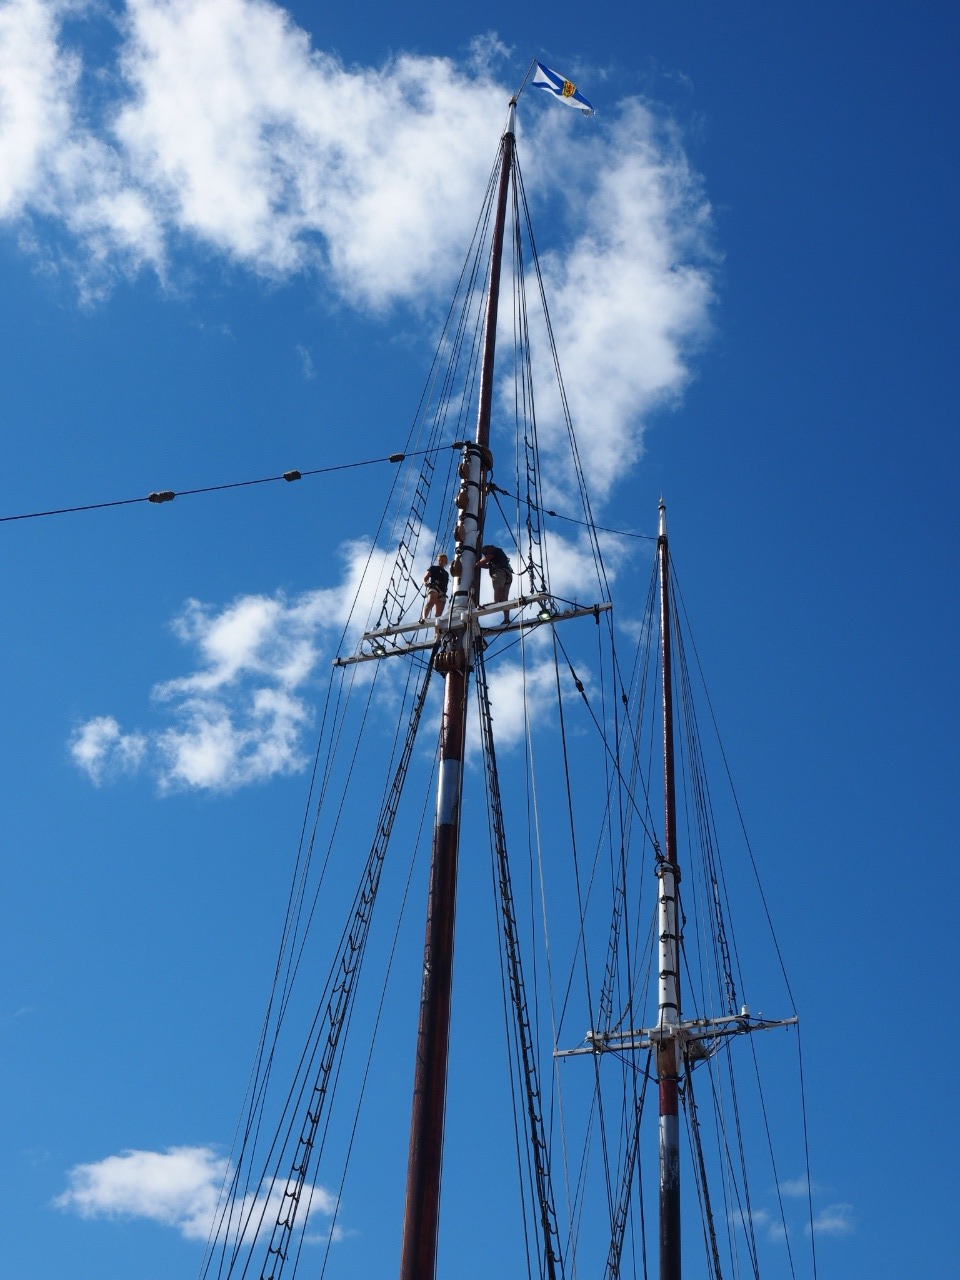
(422, 1210)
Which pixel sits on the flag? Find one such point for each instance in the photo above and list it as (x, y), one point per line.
(561, 89)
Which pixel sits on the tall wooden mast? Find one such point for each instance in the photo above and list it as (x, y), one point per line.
(669, 1040)
(454, 659)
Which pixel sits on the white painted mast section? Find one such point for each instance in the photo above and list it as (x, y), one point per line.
(668, 873)
(669, 957)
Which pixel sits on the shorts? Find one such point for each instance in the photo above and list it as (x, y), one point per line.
(501, 578)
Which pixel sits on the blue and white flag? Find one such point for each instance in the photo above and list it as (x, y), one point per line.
(562, 90)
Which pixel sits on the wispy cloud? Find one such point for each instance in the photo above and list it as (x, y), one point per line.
(64, 185)
(241, 715)
(795, 1188)
(178, 1188)
(523, 693)
(307, 364)
(227, 131)
(834, 1220)
(759, 1220)
(630, 293)
(837, 1219)
(104, 752)
(219, 126)
(25, 1011)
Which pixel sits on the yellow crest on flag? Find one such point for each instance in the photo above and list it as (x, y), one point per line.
(569, 89)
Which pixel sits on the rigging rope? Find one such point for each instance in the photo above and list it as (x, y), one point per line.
(551, 1254)
(700, 1172)
(325, 1039)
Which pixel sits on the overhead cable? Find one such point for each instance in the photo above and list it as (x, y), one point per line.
(168, 495)
(159, 496)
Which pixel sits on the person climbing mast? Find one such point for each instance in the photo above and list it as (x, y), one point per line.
(495, 560)
(436, 580)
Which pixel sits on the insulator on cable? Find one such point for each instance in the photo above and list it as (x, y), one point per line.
(396, 457)
(162, 495)
(292, 475)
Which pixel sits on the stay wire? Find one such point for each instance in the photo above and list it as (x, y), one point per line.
(292, 931)
(339, 988)
(713, 928)
(773, 1162)
(520, 1029)
(736, 801)
(292, 943)
(581, 909)
(585, 524)
(379, 1016)
(651, 835)
(567, 416)
(256, 1093)
(162, 496)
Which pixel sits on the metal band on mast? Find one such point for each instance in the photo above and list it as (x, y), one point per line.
(454, 658)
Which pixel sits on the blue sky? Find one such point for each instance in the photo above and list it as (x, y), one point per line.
(212, 272)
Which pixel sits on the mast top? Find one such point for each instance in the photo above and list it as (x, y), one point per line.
(662, 530)
(511, 117)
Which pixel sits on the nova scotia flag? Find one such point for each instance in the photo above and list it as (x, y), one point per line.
(561, 89)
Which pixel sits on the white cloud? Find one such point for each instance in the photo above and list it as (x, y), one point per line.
(516, 695)
(834, 1220)
(101, 749)
(178, 1188)
(256, 635)
(631, 293)
(796, 1188)
(241, 715)
(34, 116)
(760, 1218)
(572, 571)
(55, 168)
(225, 742)
(226, 129)
(524, 692)
(307, 365)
